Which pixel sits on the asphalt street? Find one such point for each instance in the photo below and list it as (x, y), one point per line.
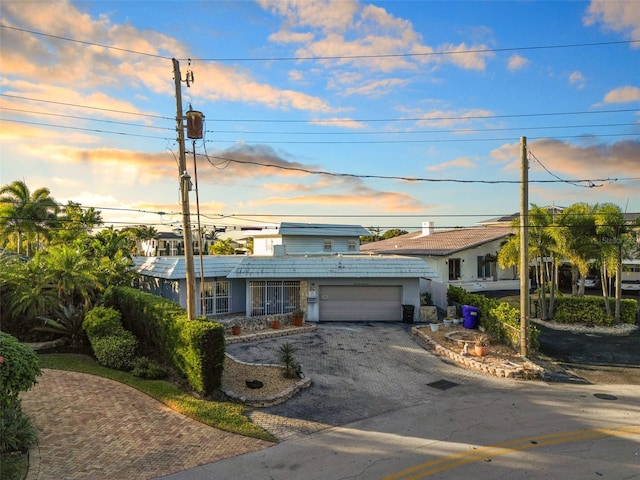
(373, 413)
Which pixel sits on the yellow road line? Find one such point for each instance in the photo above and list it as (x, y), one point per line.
(445, 463)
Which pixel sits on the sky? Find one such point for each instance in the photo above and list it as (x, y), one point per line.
(384, 114)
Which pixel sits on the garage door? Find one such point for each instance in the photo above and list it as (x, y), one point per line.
(348, 303)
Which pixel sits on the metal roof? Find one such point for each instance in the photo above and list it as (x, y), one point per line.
(439, 243)
(315, 230)
(334, 266)
(173, 268)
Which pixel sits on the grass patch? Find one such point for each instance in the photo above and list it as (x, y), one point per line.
(223, 415)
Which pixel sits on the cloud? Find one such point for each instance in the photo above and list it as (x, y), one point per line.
(617, 16)
(576, 78)
(462, 162)
(445, 118)
(516, 62)
(372, 201)
(377, 41)
(570, 161)
(377, 88)
(31, 57)
(625, 94)
(338, 122)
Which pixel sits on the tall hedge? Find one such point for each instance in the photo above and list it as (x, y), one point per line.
(498, 318)
(592, 310)
(195, 348)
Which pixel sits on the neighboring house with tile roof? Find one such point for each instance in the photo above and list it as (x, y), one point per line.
(464, 256)
(316, 267)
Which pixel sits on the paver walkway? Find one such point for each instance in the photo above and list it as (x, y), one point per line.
(94, 428)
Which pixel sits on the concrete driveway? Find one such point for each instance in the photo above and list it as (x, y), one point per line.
(358, 370)
(371, 414)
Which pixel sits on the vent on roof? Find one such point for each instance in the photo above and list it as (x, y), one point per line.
(427, 228)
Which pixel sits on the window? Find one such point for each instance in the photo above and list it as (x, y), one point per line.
(455, 271)
(217, 297)
(328, 245)
(352, 245)
(485, 267)
(273, 297)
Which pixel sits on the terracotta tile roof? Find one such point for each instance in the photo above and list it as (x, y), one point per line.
(439, 243)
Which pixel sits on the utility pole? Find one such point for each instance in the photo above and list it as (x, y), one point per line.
(524, 249)
(185, 185)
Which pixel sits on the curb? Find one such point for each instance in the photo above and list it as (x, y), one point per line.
(261, 402)
(269, 333)
(528, 370)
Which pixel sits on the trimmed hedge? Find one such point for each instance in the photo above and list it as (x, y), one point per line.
(113, 346)
(498, 318)
(195, 348)
(19, 367)
(592, 310)
(115, 351)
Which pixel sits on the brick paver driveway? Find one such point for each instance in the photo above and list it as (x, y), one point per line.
(92, 428)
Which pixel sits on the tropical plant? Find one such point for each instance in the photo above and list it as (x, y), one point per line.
(68, 322)
(222, 247)
(291, 366)
(26, 216)
(576, 241)
(17, 432)
(74, 224)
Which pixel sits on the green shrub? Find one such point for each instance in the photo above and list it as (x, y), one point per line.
(195, 348)
(142, 367)
(115, 351)
(17, 432)
(19, 367)
(498, 318)
(102, 321)
(592, 310)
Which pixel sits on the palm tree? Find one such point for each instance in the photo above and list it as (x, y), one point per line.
(76, 223)
(575, 237)
(25, 216)
(616, 242)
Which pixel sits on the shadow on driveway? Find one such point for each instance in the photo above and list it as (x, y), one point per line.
(593, 357)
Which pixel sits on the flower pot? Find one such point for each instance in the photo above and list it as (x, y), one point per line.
(447, 323)
(235, 330)
(481, 350)
(275, 324)
(297, 321)
(434, 327)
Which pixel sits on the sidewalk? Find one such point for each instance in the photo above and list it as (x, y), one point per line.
(91, 428)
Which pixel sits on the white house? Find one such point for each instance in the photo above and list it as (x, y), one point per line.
(316, 267)
(464, 256)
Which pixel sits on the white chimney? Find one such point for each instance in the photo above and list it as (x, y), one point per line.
(427, 228)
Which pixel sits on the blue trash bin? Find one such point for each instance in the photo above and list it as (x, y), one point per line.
(470, 316)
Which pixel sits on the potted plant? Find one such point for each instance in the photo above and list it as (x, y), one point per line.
(481, 344)
(448, 322)
(434, 326)
(235, 329)
(275, 323)
(297, 317)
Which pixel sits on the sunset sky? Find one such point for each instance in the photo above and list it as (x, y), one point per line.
(384, 114)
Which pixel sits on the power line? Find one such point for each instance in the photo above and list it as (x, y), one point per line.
(423, 119)
(83, 42)
(449, 140)
(416, 132)
(414, 54)
(86, 106)
(85, 118)
(393, 177)
(25, 122)
(330, 57)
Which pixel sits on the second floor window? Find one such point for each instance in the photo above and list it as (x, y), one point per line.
(352, 245)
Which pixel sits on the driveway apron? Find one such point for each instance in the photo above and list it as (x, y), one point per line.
(91, 427)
